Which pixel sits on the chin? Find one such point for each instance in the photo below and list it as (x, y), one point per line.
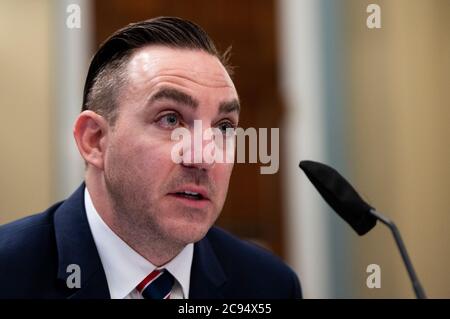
(187, 233)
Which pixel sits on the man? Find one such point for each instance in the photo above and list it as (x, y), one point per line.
(141, 226)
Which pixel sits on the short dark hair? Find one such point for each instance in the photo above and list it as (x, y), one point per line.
(107, 71)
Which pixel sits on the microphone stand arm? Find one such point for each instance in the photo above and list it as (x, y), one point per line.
(420, 293)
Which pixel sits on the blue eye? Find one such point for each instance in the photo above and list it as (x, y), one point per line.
(170, 120)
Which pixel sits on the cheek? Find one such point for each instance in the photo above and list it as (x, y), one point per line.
(143, 157)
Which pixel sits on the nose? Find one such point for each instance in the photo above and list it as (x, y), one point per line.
(202, 165)
(197, 149)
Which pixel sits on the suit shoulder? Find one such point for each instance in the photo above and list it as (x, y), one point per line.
(28, 255)
(243, 257)
(26, 233)
(226, 243)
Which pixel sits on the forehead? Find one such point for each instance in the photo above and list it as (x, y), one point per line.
(157, 63)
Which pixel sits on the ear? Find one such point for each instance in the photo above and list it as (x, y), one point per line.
(90, 132)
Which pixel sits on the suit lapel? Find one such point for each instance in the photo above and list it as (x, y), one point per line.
(76, 245)
(207, 275)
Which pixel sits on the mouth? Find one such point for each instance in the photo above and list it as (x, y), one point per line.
(189, 195)
(195, 197)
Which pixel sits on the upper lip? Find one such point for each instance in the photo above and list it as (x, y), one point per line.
(193, 189)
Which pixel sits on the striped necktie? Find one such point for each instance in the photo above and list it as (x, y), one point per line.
(157, 285)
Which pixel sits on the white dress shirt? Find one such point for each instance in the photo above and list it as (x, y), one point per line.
(125, 268)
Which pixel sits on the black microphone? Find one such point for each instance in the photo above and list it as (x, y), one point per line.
(347, 203)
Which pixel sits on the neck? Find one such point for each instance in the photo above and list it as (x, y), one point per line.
(139, 236)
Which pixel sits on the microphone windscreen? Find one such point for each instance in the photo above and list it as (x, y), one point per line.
(340, 195)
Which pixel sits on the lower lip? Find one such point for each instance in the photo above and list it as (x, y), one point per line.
(194, 203)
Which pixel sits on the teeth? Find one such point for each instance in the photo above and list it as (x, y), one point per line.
(191, 193)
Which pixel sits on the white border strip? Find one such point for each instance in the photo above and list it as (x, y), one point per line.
(302, 85)
(73, 48)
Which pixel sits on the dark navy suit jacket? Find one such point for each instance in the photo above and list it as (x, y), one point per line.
(35, 253)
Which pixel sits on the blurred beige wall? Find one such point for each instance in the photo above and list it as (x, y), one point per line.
(399, 99)
(25, 121)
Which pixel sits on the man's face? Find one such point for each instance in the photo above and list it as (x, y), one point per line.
(167, 89)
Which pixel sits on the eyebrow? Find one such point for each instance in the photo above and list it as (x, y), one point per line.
(167, 93)
(231, 106)
(174, 95)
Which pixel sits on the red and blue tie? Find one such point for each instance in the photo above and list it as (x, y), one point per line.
(157, 285)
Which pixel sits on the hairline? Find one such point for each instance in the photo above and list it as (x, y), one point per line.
(123, 72)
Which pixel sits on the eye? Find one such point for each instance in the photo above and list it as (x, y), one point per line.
(226, 125)
(169, 121)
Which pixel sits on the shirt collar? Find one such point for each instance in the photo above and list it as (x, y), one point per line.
(124, 267)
